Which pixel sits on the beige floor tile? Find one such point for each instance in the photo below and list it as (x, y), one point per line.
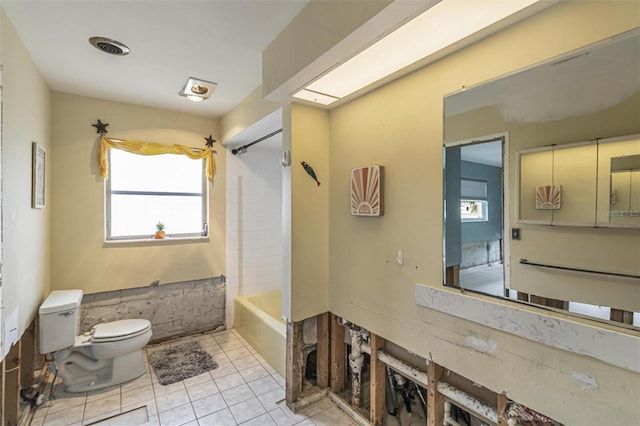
(152, 409)
(103, 393)
(271, 399)
(202, 390)
(66, 402)
(65, 417)
(140, 382)
(102, 406)
(103, 416)
(238, 394)
(253, 373)
(219, 418)
(245, 362)
(231, 344)
(208, 405)
(282, 416)
(200, 378)
(238, 353)
(177, 416)
(247, 410)
(263, 420)
(159, 389)
(264, 385)
(318, 407)
(229, 381)
(137, 395)
(223, 369)
(171, 400)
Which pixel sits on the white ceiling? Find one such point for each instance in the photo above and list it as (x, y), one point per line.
(580, 82)
(214, 40)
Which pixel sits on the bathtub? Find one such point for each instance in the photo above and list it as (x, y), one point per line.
(257, 319)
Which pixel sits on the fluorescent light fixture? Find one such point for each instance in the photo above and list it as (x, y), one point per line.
(448, 22)
(319, 98)
(197, 90)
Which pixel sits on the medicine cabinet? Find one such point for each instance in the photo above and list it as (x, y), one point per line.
(595, 183)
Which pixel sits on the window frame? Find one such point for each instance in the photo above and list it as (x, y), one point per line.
(485, 211)
(204, 230)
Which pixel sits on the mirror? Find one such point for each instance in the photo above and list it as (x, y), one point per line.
(563, 138)
(624, 197)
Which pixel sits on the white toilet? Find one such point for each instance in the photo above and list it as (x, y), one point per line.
(111, 353)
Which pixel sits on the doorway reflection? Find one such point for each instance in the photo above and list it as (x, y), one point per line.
(473, 236)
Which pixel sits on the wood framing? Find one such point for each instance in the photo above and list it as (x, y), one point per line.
(295, 362)
(28, 356)
(11, 381)
(554, 303)
(501, 403)
(377, 391)
(337, 357)
(322, 348)
(453, 275)
(619, 315)
(435, 400)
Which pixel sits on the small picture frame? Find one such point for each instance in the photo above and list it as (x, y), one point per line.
(367, 193)
(39, 163)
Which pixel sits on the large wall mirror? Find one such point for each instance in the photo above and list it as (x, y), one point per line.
(542, 183)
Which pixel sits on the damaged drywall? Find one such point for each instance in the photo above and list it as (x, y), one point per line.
(174, 309)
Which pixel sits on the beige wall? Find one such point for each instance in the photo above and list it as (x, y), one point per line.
(251, 110)
(26, 231)
(79, 256)
(308, 286)
(400, 126)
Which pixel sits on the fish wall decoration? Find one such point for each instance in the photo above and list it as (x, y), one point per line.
(310, 171)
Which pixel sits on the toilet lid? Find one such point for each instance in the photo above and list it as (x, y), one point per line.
(117, 330)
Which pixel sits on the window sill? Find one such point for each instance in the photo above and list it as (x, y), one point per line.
(155, 241)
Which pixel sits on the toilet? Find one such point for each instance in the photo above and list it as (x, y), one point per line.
(109, 354)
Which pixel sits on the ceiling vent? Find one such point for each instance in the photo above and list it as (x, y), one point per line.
(109, 46)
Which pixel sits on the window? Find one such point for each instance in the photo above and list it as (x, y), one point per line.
(143, 190)
(473, 210)
(473, 205)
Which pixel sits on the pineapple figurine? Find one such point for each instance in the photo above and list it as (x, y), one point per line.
(160, 232)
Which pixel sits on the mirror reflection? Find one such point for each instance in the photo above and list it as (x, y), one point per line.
(624, 195)
(541, 170)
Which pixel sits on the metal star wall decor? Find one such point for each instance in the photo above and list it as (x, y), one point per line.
(210, 140)
(101, 127)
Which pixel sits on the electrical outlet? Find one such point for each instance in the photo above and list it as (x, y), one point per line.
(515, 233)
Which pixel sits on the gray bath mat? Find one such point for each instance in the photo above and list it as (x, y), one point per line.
(180, 362)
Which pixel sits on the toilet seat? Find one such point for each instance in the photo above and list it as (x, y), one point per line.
(119, 330)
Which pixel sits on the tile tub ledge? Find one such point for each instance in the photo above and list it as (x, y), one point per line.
(613, 345)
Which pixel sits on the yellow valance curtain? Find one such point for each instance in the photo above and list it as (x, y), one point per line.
(150, 148)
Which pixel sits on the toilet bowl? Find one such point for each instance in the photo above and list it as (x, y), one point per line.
(109, 354)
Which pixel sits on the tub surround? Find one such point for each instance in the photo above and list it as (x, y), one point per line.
(174, 309)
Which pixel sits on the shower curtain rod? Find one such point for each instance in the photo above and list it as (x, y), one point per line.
(243, 148)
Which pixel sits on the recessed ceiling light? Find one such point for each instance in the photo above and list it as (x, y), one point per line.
(197, 90)
(109, 46)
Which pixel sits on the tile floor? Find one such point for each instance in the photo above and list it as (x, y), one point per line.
(244, 389)
(484, 278)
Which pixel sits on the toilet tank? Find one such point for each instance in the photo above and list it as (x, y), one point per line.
(59, 320)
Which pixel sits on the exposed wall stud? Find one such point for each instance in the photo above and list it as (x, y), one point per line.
(435, 400)
(378, 369)
(322, 348)
(337, 355)
(295, 362)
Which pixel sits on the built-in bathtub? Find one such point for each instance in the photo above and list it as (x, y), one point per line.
(258, 320)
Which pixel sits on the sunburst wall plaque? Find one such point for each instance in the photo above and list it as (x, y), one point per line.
(548, 197)
(367, 191)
